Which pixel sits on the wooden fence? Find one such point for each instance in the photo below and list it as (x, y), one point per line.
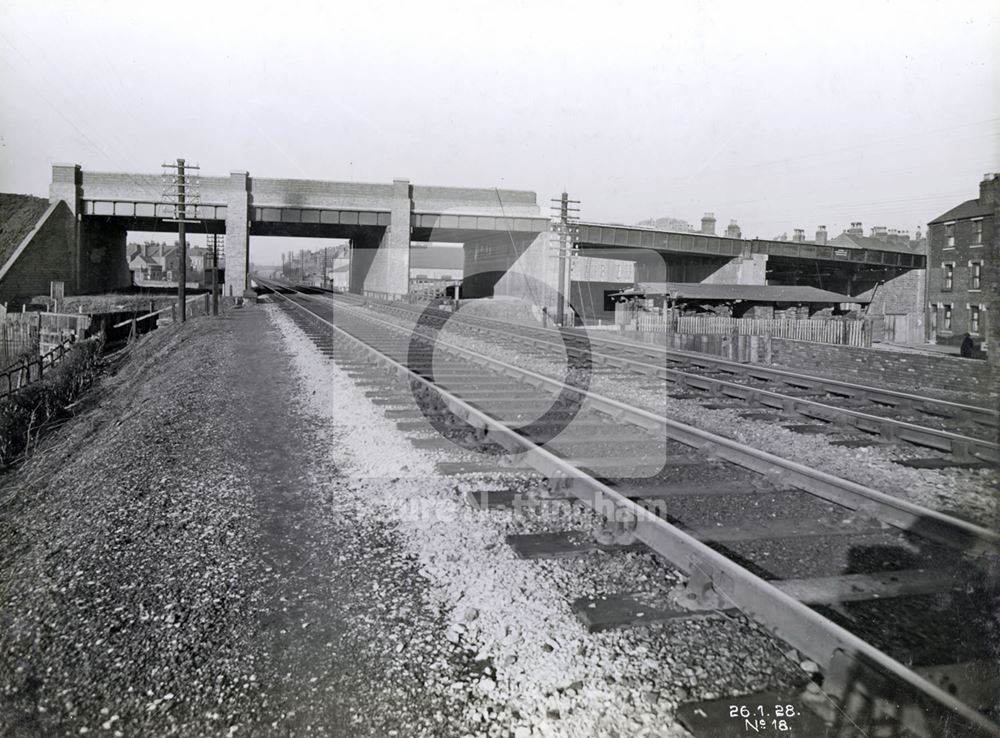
(844, 332)
(855, 333)
(17, 339)
(31, 370)
(38, 332)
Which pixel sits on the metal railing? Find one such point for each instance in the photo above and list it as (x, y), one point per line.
(172, 309)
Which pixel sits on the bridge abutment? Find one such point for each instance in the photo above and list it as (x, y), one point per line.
(238, 203)
(66, 186)
(388, 271)
(520, 265)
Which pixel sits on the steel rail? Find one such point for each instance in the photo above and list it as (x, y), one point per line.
(834, 386)
(782, 615)
(944, 529)
(890, 428)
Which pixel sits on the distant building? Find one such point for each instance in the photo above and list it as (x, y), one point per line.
(958, 242)
(879, 238)
(152, 261)
(666, 224)
(896, 305)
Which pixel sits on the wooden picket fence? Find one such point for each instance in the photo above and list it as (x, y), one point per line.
(17, 339)
(841, 332)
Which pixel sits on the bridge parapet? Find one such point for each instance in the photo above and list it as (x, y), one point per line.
(612, 235)
(124, 187)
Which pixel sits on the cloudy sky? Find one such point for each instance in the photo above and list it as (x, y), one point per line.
(776, 114)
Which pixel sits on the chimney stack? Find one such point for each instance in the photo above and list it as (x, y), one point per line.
(988, 189)
(821, 235)
(800, 235)
(856, 229)
(708, 223)
(733, 230)
(879, 232)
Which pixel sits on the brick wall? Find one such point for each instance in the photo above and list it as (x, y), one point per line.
(894, 369)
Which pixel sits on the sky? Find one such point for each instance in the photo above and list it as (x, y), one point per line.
(780, 115)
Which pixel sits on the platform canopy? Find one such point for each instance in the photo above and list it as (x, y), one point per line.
(734, 292)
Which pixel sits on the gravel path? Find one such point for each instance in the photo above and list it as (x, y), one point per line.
(177, 561)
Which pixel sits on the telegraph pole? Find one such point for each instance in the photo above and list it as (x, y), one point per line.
(565, 230)
(177, 194)
(182, 211)
(215, 274)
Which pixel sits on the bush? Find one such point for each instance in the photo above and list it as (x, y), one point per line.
(26, 413)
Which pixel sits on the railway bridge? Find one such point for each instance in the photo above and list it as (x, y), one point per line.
(510, 245)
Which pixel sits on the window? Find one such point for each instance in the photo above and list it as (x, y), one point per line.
(948, 277)
(974, 318)
(946, 318)
(977, 275)
(949, 235)
(977, 233)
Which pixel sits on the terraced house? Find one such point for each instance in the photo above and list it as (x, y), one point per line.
(957, 265)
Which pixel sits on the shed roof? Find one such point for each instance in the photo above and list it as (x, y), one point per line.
(748, 292)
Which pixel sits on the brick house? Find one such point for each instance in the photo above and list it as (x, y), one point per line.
(957, 264)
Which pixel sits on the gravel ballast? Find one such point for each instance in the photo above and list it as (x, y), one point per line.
(966, 493)
(513, 614)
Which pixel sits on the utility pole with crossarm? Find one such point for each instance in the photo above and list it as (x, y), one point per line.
(181, 192)
(565, 225)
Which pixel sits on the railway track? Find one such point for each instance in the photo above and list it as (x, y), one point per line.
(966, 432)
(897, 584)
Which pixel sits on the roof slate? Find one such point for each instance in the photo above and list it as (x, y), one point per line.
(850, 240)
(968, 209)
